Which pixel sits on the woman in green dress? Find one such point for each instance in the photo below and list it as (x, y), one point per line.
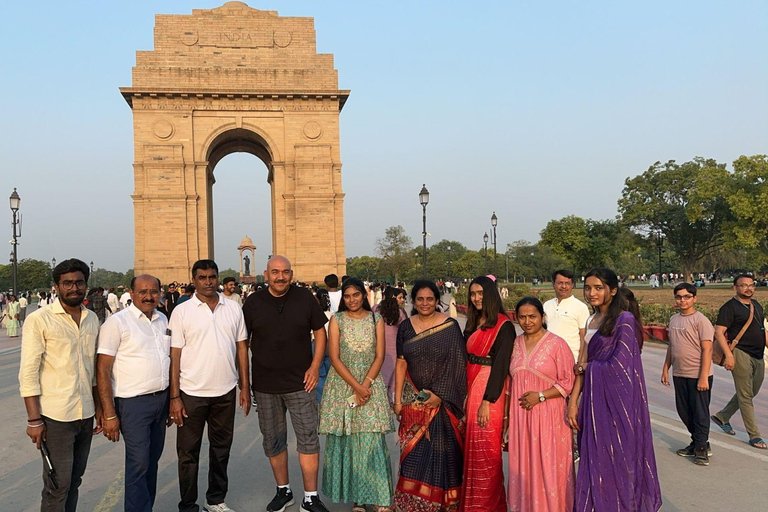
(354, 412)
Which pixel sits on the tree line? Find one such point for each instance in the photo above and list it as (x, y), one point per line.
(697, 217)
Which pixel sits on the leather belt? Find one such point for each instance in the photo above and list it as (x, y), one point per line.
(482, 361)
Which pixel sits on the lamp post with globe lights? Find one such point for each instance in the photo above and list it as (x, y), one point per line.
(494, 222)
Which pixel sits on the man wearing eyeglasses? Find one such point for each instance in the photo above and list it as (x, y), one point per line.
(690, 355)
(58, 382)
(133, 371)
(749, 369)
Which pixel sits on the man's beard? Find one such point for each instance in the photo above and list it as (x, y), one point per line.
(72, 302)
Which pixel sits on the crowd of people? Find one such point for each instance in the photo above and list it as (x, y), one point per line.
(566, 397)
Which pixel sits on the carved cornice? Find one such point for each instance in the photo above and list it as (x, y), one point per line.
(198, 95)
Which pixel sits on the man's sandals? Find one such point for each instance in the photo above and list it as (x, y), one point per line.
(725, 427)
(758, 443)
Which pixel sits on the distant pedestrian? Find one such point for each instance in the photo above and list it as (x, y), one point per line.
(57, 381)
(230, 291)
(170, 299)
(690, 355)
(23, 302)
(12, 316)
(133, 374)
(746, 358)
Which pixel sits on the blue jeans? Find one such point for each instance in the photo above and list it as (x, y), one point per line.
(142, 423)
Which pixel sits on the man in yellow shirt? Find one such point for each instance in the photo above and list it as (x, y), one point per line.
(57, 380)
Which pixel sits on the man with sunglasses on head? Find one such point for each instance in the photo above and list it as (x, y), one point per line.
(58, 383)
(690, 355)
(747, 358)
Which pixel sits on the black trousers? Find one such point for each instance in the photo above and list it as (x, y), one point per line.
(219, 413)
(69, 443)
(693, 408)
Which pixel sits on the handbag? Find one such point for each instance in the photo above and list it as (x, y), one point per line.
(718, 356)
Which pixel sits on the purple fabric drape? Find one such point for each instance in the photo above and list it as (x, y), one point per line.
(617, 471)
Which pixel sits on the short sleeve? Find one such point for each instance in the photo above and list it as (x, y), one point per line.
(242, 332)
(109, 337)
(176, 327)
(725, 315)
(564, 361)
(705, 328)
(582, 315)
(400, 339)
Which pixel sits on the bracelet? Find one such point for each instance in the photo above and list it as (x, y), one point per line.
(34, 419)
(111, 418)
(370, 379)
(175, 397)
(398, 403)
(37, 426)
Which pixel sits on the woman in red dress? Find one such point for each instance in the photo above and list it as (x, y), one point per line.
(490, 338)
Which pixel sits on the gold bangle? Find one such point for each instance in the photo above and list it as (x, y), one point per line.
(398, 403)
(111, 418)
(370, 379)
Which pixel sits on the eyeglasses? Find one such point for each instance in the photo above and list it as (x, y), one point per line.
(745, 285)
(683, 297)
(72, 284)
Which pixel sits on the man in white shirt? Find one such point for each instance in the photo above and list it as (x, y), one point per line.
(230, 285)
(112, 301)
(133, 371)
(332, 283)
(566, 315)
(209, 346)
(124, 298)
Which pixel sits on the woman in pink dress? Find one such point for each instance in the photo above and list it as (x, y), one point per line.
(490, 337)
(541, 473)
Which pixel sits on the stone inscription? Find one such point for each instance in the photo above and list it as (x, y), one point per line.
(252, 104)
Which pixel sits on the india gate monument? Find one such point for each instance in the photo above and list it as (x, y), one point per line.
(225, 80)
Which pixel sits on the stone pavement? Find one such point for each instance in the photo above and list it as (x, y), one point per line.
(735, 480)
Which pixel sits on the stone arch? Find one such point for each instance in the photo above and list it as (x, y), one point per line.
(225, 80)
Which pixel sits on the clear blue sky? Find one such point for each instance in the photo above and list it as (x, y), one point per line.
(536, 110)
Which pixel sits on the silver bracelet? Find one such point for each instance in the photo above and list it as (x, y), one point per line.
(36, 426)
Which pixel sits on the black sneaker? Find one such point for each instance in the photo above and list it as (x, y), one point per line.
(314, 505)
(701, 457)
(283, 498)
(688, 451)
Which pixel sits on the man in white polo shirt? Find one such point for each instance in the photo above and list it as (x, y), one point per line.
(566, 315)
(133, 371)
(208, 348)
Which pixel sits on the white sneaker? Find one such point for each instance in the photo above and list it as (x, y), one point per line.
(221, 507)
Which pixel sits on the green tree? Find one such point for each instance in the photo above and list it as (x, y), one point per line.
(363, 267)
(680, 201)
(395, 249)
(585, 243)
(32, 275)
(470, 265)
(748, 200)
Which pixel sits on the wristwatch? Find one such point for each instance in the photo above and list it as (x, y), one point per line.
(581, 369)
(541, 396)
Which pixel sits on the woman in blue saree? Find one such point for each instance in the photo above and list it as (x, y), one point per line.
(617, 470)
(430, 389)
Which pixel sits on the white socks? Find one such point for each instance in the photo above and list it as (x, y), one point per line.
(308, 496)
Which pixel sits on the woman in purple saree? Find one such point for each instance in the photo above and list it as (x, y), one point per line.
(617, 470)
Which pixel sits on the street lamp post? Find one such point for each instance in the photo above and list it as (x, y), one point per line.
(15, 205)
(90, 276)
(424, 200)
(485, 250)
(659, 245)
(449, 263)
(494, 222)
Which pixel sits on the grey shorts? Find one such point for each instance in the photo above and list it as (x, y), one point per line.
(305, 417)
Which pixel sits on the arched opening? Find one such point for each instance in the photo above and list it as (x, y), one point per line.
(242, 206)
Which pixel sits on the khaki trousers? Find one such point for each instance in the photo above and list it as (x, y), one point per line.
(748, 376)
